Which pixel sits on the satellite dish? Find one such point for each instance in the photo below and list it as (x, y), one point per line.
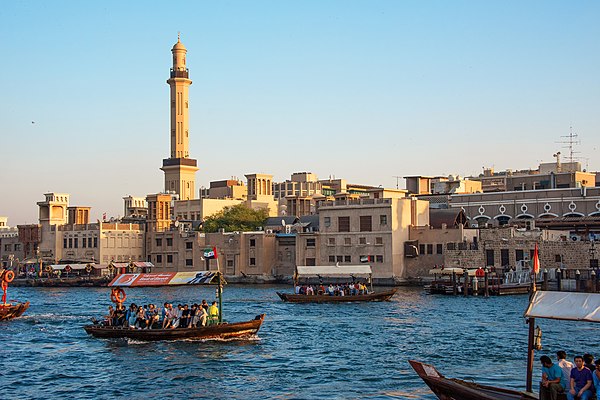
(283, 222)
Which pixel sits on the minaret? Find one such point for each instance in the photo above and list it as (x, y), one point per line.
(179, 169)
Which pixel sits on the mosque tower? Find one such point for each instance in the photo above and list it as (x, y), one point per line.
(179, 169)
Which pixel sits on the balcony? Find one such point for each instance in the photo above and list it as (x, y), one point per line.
(180, 74)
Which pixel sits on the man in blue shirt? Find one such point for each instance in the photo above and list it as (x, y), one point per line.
(551, 376)
(581, 381)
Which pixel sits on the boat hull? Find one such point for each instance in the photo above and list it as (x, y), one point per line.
(456, 389)
(320, 298)
(10, 311)
(235, 330)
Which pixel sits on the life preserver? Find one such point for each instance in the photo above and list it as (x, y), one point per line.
(118, 295)
(47, 268)
(8, 276)
(88, 269)
(68, 269)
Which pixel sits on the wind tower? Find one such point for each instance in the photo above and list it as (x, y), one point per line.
(179, 169)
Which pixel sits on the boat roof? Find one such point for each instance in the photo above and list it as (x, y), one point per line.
(567, 306)
(333, 270)
(162, 279)
(449, 271)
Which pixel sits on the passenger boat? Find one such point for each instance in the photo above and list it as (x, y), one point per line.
(8, 310)
(335, 272)
(543, 304)
(217, 330)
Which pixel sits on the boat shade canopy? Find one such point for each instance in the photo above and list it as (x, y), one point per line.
(565, 305)
(74, 267)
(162, 279)
(120, 265)
(143, 264)
(449, 271)
(333, 270)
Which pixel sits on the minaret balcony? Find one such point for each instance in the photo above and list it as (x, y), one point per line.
(180, 73)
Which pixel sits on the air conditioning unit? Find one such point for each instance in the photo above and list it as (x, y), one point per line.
(269, 231)
(288, 229)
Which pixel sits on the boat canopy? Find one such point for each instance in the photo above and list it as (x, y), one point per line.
(448, 271)
(74, 267)
(162, 279)
(565, 305)
(340, 271)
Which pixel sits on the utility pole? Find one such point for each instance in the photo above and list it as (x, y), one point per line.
(397, 181)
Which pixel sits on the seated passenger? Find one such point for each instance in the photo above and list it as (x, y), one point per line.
(202, 316)
(596, 379)
(109, 318)
(581, 381)
(550, 386)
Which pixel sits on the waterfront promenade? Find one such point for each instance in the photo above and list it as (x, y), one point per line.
(311, 351)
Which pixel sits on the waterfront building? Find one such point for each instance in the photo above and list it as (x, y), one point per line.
(179, 168)
(135, 207)
(439, 185)
(11, 249)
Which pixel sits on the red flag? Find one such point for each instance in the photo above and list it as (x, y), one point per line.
(536, 260)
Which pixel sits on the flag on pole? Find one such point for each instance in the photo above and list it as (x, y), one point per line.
(210, 253)
(536, 260)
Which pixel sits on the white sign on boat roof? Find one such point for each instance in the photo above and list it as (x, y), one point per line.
(565, 305)
(333, 270)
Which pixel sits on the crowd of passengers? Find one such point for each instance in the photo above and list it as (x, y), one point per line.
(579, 379)
(347, 289)
(170, 317)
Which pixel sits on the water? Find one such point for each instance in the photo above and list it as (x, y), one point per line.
(311, 351)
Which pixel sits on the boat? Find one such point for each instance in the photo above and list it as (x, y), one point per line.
(9, 310)
(567, 306)
(335, 272)
(219, 329)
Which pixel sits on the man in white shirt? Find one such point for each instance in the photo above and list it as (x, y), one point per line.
(566, 367)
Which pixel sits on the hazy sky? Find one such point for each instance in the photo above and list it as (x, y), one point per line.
(362, 90)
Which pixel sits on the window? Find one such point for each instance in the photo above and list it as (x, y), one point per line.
(594, 263)
(189, 262)
(430, 248)
(362, 240)
(331, 259)
(557, 258)
(83, 242)
(383, 220)
(252, 242)
(76, 242)
(159, 259)
(347, 241)
(17, 246)
(439, 248)
(339, 258)
(169, 258)
(331, 241)
(90, 242)
(169, 242)
(70, 242)
(343, 224)
(188, 245)
(519, 255)
(489, 257)
(327, 222)
(379, 259)
(7, 247)
(379, 240)
(365, 223)
(158, 242)
(252, 261)
(64, 243)
(311, 261)
(95, 242)
(348, 259)
(310, 243)
(421, 249)
(451, 246)
(504, 257)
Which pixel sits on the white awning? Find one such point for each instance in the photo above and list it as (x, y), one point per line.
(341, 271)
(73, 266)
(448, 271)
(565, 305)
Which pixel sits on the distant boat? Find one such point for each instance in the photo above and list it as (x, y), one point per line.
(335, 272)
(8, 310)
(543, 304)
(216, 330)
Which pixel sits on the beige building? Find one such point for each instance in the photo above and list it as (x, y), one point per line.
(11, 248)
(179, 168)
(422, 185)
(135, 207)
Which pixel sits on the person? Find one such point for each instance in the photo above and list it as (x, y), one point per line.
(551, 377)
(581, 381)
(193, 317)
(165, 316)
(153, 317)
(205, 305)
(588, 361)
(108, 319)
(202, 316)
(596, 378)
(566, 367)
(213, 313)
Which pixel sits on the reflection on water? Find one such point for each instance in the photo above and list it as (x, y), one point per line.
(307, 351)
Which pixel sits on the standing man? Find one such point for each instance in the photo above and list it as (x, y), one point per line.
(213, 314)
(551, 377)
(566, 367)
(581, 381)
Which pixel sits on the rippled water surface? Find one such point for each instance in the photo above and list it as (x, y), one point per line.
(313, 351)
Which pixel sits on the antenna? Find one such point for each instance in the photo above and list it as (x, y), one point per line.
(397, 180)
(569, 143)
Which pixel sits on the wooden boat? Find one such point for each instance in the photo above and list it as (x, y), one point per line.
(335, 272)
(457, 389)
(237, 330)
(10, 311)
(216, 330)
(323, 298)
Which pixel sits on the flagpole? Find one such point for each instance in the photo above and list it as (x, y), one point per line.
(531, 322)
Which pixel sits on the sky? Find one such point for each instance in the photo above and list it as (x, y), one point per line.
(362, 90)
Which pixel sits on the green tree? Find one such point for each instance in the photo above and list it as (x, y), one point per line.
(236, 218)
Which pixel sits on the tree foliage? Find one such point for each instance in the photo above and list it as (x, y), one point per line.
(236, 218)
